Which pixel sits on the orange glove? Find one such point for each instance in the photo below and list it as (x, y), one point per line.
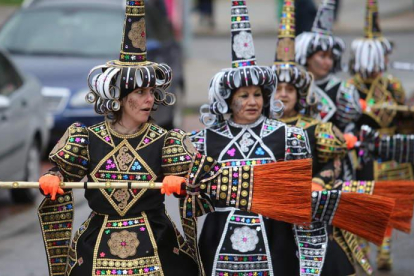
(172, 184)
(316, 187)
(363, 104)
(50, 184)
(350, 140)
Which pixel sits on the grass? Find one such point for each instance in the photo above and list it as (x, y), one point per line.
(11, 2)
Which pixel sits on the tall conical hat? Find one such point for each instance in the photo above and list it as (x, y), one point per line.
(285, 67)
(320, 38)
(368, 53)
(113, 81)
(285, 50)
(372, 28)
(244, 72)
(242, 45)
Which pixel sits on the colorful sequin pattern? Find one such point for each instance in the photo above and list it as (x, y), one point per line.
(361, 187)
(117, 251)
(324, 205)
(232, 188)
(56, 218)
(176, 159)
(312, 242)
(123, 163)
(297, 144)
(242, 39)
(133, 46)
(248, 248)
(71, 152)
(330, 142)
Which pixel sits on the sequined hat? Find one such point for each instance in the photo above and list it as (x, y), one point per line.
(368, 53)
(113, 81)
(244, 72)
(320, 38)
(285, 67)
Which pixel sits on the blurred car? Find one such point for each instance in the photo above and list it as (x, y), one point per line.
(60, 41)
(24, 128)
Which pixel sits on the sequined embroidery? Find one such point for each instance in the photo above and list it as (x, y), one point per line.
(123, 244)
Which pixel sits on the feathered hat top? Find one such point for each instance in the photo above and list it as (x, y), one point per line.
(244, 72)
(113, 81)
(320, 38)
(285, 67)
(368, 53)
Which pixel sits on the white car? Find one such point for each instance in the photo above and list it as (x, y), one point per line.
(24, 128)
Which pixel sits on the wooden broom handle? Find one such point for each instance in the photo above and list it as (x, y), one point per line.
(87, 185)
(400, 108)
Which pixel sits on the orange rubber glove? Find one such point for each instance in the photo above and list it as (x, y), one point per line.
(363, 104)
(50, 185)
(350, 140)
(172, 184)
(316, 187)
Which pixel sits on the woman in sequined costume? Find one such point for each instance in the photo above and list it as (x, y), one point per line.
(129, 231)
(234, 242)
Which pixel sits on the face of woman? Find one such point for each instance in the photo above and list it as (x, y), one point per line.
(288, 95)
(320, 64)
(136, 107)
(247, 104)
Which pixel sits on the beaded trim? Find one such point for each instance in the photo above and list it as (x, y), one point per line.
(312, 242)
(71, 153)
(296, 143)
(361, 187)
(324, 205)
(245, 263)
(56, 220)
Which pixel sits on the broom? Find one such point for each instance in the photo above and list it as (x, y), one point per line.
(364, 215)
(401, 191)
(282, 190)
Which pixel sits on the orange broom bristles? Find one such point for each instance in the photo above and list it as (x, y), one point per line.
(401, 191)
(366, 216)
(282, 191)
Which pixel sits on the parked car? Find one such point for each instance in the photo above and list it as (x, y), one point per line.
(24, 127)
(59, 41)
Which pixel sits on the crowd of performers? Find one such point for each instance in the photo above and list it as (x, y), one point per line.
(261, 122)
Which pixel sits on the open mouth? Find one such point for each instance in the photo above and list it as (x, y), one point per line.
(146, 109)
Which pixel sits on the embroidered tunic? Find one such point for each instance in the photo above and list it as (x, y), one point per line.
(129, 231)
(338, 101)
(239, 243)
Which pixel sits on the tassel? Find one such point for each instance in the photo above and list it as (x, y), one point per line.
(286, 197)
(366, 216)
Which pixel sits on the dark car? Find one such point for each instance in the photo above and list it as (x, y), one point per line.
(60, 41)
(24, 128)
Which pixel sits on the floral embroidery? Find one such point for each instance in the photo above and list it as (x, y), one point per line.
(231, 152)
(124, 158)
(260, 151)
(244, 239)
(243, 45)
(123, 244)
(246, 142)
(137, 34)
